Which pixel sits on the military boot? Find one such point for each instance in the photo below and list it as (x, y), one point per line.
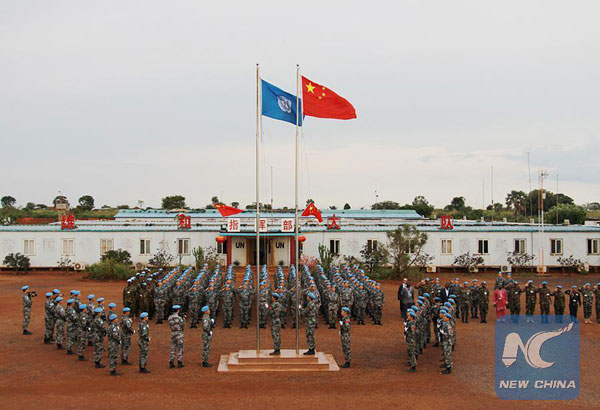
(99, 365)
(206, 364)
(144, 370)
(447, 370)
(345, 365)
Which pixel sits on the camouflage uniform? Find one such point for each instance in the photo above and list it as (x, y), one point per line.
(333, 306)
(177, 324)
(61, 317)
(345, 338)
(89, 312)
(244, 301)
(361, 306)
(310, 314)
(99, 333)
(26, 310)
(82, 332)
(114, 339)
(49, 319)
(597, 303)
(126, 333)
(544, 303)
(160, 301)
(559, 305)
(72, 319)
(193, 306)
(207, 325)
(346, 297)
(227, 298)
(515, 302)
(588, 301)
(530, 297)
(264, 307)
(474, 301)
(275, 313)
(378, 302)
(410, 336)
(484, 303)
(143, 343)
(465, 300)
(446, 330)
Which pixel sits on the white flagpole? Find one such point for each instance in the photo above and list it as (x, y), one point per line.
(296, 230)
(258, 113)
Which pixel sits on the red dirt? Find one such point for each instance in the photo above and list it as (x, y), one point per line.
(34, 375)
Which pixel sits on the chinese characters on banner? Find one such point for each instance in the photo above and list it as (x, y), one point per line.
(263, 225)
(233, 224)
(67, 222)
(333, 222)
(185, 222)
(446, 222)
(287, 225)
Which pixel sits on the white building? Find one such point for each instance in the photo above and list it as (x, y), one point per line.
(143, 232)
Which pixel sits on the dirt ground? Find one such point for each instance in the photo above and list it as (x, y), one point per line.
(34, 375)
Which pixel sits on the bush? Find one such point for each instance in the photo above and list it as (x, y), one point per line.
(119, 256)
(20, 263)
(110, 270)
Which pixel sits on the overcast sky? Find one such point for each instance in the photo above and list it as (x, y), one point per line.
(136, 100)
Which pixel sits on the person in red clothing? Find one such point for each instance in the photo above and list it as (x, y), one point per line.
(500, 299)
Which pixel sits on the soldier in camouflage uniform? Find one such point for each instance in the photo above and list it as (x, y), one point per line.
(310, 315)
(446, 330)
(284, 301)
(597, 302)
(275, 314)
(360, 302)
(530, 298)
(72, 319)
(435, 316)
(345, 337)
(245, 302)
(99, 332)
(474, 299)
(544, 293)
(27, 302)
(228, 300)
(515, 301)
(48, 323)
(588, 300)
(127, 332)
(378, 302)
(559, 304)
(89, 311)
(484, 301)
(82, 331)
(499, 281)
(160, 300)
(294, 307)
(333, 306)
(144, 342)
(410, 336)
(207, 326)
(114, 339)
(177, 326)
(465, 300)
(61, 317)
(193, 306)
(263, 300)
(346, 296)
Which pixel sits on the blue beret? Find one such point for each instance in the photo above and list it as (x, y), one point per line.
(559, 286)
(420, 302)
(126, 309)
(82, 306)
(598, 284)
(204, 308)
(70, 301)
(574, 287)
(98, 310)
(483, 282)
(452, 296)
(426, 295)
(311, 295)
(421, 298)
(112, 317)
(448, 304)
(276, 295)
(112, 305)
(465, 283)
(176, 307)
(25, 287)
(544, 283)
(436, 299)
(529, 281)
(414, 307)
(56, 291)
(100, 300)
(48, 294)
(91, 297)
(59, 299)
(448, 315)
(144, 314)
(587, 284)
(451, 300)
(346, 309)
(413, 314)
(474, 280)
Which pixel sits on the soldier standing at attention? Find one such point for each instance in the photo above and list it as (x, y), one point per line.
(114, 340)
(378, 302)
(227, 298)
(61, 317)
(346, 296)
(27, 302)
(588, 301)
(126, 333)
(499, 281)
(410, 336)
(333, 305)
(275, 313)
(597, 303)
(446, 331)
(574, 302)
(99, 332)
(345, 336)
(207, 326)
(48, 319)
(559, 304)
(474, 299)
(530, 297)
(82, 331)
(177, 325)
(72, 319)
(484, 301)
(544, 301)
(310, 314)
(515, 301)
(465, 300)
(159, 301)
(89, 310)
(193, 306)
(144, 342)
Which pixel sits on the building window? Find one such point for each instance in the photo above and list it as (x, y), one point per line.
(183, 246)
(447, 246)
(144, 246)
(222, 247)
(334, 246)
(520, 246)
(68, 247)
(482, 247)
(593, 246)
(556, 247)
(372, 245)
(106, 245)
(28, 247)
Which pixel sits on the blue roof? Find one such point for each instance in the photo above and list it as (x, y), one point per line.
(213, 213)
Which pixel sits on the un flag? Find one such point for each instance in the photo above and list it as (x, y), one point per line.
(279, 104)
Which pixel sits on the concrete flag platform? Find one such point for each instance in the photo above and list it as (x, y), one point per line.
(287, 361)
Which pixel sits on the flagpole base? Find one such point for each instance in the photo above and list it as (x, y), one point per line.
(286, 361)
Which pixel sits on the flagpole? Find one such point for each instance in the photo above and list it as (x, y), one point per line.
(296, 230)
(257, 212)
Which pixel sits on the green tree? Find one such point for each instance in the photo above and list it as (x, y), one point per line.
(457, 204)
(517, 202)
(86, 202)
(347, 206)
(574, 213)
(325, 257)
(405, 248)
(374, 257)
(235, 204)
(119, 256)
(17, 261)
(421, 206)
(30, 206)
(215, 200)
(8, 201)
(333, 207)
(386, 205)
(173, 202)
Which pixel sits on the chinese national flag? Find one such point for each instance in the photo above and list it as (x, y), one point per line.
(312, 210)
(226, 211)
(320, 101)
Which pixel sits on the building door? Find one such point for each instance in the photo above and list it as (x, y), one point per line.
(265, 251)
